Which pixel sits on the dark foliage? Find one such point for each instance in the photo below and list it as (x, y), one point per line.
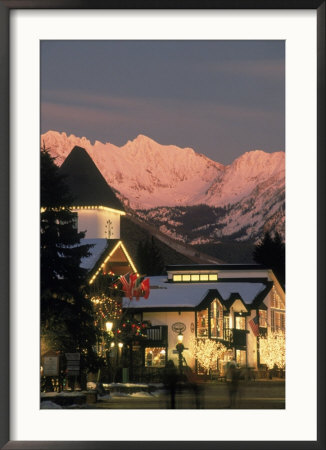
(271, 252)
(132, 234)
(67, 320)
(232, 252)
(149, 258)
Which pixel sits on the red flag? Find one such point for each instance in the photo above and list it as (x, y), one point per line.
(127, 284)
(254, 326)
(145, 287)
(134, 285)
(124, 282)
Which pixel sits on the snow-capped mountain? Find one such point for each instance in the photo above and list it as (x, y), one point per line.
(244, 197)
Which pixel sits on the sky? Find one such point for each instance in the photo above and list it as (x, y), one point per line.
(221, 98)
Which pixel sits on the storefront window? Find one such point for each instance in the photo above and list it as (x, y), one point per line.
(155, 356)
(202, 323)
(241, 357)
(223, 362)
(216, 317)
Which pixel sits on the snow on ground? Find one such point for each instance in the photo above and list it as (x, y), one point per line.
(141, 394)
(61, 394)
(49, 405)
(127, 385)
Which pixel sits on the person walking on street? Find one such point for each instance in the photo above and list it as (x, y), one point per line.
(232, 380)
(170, 378)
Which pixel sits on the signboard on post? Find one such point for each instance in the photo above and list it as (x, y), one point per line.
(51, 366)
(73, 364)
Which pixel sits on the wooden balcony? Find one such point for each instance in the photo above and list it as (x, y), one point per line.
(236, 337)
(157, 334)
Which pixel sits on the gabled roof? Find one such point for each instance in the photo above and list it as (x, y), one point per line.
(115, 258)
(85, 181)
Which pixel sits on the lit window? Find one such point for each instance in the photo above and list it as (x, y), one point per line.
(263, 318)
(155, 356)
(202, 323)
(185, 277)
(216, 316)
(277, 321)
(240, 323)
(277, 302)
(212, 277)
(241, 358)
(194, 277)
(203, 277)
(177, 278)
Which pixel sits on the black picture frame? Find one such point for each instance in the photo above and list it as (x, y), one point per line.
(8, 5)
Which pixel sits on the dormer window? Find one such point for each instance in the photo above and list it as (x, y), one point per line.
(194, 277)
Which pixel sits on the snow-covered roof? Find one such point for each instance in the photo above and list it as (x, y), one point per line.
(95, 252)
(164, 294)
(189, 295)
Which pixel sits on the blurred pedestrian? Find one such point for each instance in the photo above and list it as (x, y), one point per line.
(232, 379)
(194, 386)
(170, 379)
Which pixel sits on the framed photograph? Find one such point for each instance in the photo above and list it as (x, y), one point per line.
(199, 96)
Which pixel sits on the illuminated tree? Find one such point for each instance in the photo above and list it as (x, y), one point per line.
(272, 350)
(207, 352)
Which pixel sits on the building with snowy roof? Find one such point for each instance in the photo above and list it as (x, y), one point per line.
(236, 305)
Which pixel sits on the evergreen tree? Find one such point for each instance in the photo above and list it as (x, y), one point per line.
(271, 252)
(149, 258)
(67, 320)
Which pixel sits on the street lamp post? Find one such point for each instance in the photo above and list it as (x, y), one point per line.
(180, 347)
(114, 351)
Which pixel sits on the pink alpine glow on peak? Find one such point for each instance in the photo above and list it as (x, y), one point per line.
(148, 174)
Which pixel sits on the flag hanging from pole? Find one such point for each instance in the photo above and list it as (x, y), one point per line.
(254, 323)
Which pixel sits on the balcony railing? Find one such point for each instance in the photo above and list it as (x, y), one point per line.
(157, 333)
(235, 336)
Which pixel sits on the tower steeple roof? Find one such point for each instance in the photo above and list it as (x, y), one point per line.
(86, 183)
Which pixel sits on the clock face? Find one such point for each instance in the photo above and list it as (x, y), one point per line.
(178, 327)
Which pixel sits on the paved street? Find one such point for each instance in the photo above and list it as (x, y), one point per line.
(253, 395)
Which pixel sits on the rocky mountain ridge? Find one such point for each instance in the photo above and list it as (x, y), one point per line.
(165, 185)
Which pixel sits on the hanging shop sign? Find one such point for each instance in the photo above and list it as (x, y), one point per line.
(73, 364)
(178, 327)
